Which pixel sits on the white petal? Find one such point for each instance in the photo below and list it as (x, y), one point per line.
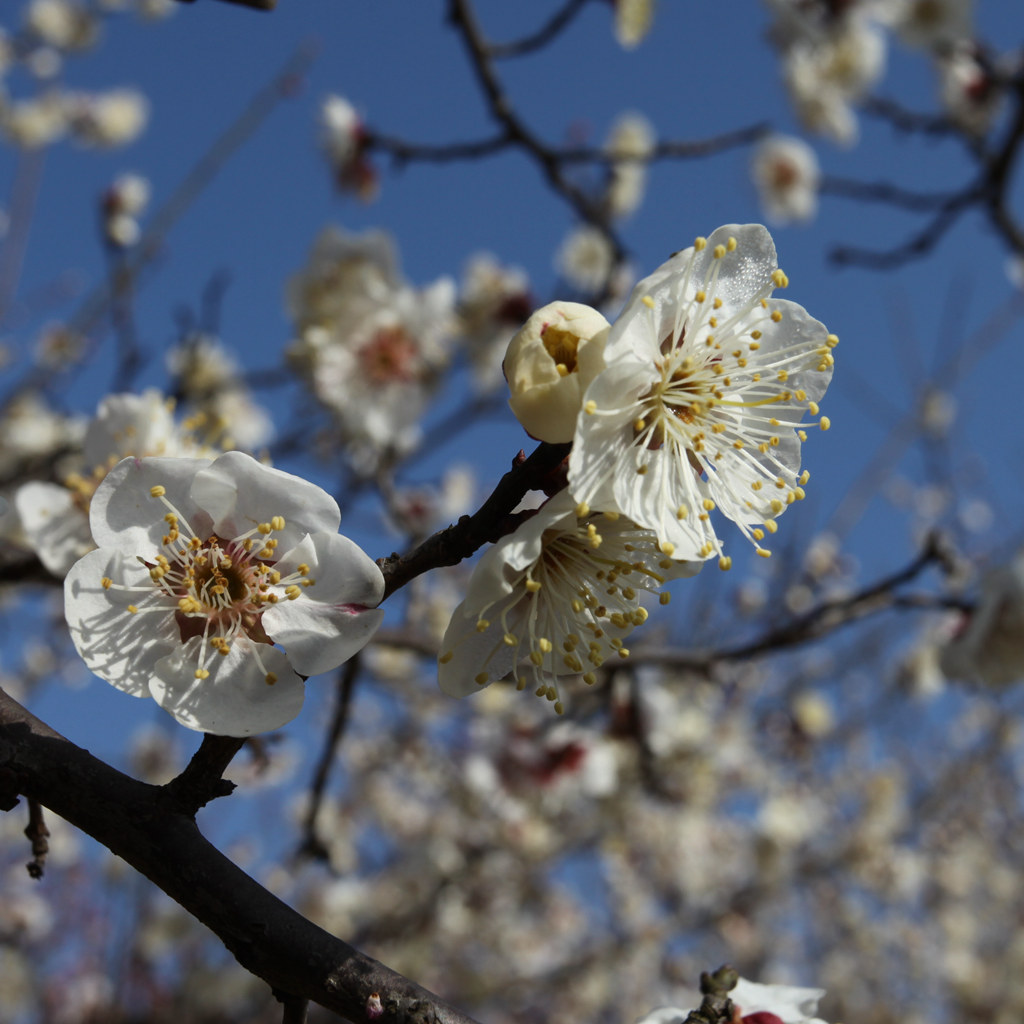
(57, 529)
(474, 651)
(335, 617)
(235, 699)
(344, 573)
(794, 1005)
(239, 493)
(124, 514)
(653, 499)
(129, 424)
(319, 637)
(118, 646)
(602, 434)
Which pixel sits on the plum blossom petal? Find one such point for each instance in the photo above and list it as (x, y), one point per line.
(341, 612)
(121, 514)
(235, 698)
(790, 1004)
(113, 641)
(48, 516)
(233, 497)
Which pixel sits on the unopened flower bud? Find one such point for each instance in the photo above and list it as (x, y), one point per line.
(549, 365)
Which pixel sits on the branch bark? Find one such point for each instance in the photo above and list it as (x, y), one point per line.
(144, 825)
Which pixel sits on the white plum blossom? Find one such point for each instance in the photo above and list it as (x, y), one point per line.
(495, 299)
(969, 87)
(113, 118)
(222, 410)
(64, 24)
(202, 569)
(55, 517)
(121, 206)
(827, 73)
(34, 122)
(933, 24)
(343, 139)
(787, 176)
(550, 363)
(585, 258)
(630, 143)
(371, 345)
(701, 403)
(556, 597)
(758, 1004)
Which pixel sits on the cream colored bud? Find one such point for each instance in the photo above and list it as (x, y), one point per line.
(549, 365)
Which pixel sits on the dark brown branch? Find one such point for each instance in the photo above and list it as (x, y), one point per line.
(38, 835)
(716, 1007)
(923, 242)
(558, 22)
(202, 781)
(26, 569)
(311, 844)
(491, 522)
(908, 121)
(820, 621)
(140, 824)
(463, 18)
(1000, 174)
(406, 152)
(258, 5)
(884, 192)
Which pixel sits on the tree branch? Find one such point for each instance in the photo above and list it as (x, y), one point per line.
(488, 524)
(143, 825)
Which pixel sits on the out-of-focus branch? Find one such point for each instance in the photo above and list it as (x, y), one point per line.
(908, 121)
(919, 244)
(558, 22)
(258, 5)
(310, 843)
(1000, 174)
(885, 192)
(989, 192)
(820, 621)
(141, 825)
(463, 18)
(491, 522)
(21, 206)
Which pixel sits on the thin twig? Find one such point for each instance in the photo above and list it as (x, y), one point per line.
(491, 522)
(557, 23)
(820, 621)
(311, 844)
(38, 835)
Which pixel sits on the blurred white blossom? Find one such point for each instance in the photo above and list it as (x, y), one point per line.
(787, 176)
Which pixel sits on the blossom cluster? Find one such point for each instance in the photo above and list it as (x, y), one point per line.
(370, 345)
(50, 32)
(692, 401)
(833, 54)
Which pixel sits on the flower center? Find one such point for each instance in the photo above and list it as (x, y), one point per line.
(219, 587)
(390, 355)
(561, 345)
